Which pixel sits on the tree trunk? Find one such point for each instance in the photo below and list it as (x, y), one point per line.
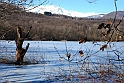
(20, 52)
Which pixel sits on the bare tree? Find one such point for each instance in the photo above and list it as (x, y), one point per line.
(20, 52)
(9, 7)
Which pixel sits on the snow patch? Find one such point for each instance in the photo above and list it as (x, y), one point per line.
(58, 10)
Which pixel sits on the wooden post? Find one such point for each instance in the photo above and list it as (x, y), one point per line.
(20, 52)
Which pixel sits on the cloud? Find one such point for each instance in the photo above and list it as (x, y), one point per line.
(58, 10)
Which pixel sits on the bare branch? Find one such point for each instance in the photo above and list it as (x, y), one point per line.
(28, 32)
(37, 6)
(91, 1)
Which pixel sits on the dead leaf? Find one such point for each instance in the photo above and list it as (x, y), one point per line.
(68, 55)
(83, 40)
(101, 26)
(81, 53)
(103, 47)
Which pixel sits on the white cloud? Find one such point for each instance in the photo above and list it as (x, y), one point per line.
(58, 10)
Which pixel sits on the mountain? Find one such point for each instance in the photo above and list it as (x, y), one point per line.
(96, 16)
(109, 15)
(112, 15)
(59, 10)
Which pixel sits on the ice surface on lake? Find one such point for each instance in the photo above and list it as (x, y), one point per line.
(53, 63)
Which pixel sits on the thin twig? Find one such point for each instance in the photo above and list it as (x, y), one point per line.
(113, 22)
(37, 6)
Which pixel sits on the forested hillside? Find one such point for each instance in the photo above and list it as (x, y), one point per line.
(54, 27)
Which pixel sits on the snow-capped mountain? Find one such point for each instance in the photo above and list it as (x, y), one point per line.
(96, 16)
(59, 10)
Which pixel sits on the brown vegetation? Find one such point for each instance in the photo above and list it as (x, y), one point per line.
(55, 27)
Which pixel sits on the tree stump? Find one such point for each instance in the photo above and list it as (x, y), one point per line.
(20, 52)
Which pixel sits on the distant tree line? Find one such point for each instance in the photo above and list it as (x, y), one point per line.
(49, 28)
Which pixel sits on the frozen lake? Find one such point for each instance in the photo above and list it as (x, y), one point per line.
(54, 66)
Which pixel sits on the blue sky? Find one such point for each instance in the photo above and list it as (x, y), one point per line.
(77, 8)
(100, 6)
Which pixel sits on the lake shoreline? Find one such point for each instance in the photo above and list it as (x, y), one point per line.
(68, 40)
